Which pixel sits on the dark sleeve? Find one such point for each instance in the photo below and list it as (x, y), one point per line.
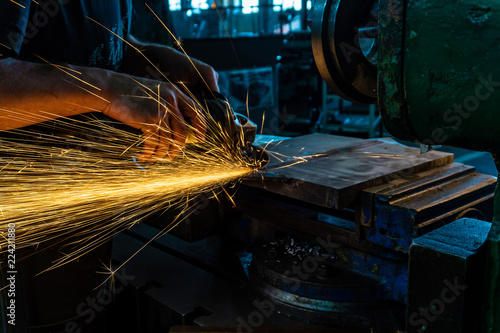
(13, 20)
(130, 14)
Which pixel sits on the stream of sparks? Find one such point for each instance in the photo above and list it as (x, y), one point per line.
(75, 183)
(79, 186)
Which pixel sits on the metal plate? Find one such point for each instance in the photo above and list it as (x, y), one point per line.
(330, 170)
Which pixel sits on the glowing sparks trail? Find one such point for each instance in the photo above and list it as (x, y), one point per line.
(3, 45)
(80, 188)
(17, 3)
(75, 182)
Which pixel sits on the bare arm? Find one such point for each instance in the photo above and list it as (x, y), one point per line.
(31, 93)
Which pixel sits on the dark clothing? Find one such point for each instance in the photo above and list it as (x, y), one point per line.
(61, 31)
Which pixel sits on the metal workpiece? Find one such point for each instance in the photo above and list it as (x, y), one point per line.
(446, 278)
(394, 192)
(338, 168)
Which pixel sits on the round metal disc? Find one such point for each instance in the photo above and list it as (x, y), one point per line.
(336, 48)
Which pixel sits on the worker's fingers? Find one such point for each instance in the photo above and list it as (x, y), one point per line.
(179, 134)
(190, 110)
(164, 145)
(151, 140)
(165, 126)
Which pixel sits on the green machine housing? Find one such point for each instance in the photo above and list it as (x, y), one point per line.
(433, 69)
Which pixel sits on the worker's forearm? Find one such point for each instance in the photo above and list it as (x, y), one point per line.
(31, 93)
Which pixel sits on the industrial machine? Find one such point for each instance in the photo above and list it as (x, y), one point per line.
(348, 234)
(322, 237)
(366, 234)
(339, 234)
(429, 87)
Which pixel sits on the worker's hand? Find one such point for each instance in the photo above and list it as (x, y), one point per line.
(160, 110)
(181, 69)
(177, 67)
(200, 70)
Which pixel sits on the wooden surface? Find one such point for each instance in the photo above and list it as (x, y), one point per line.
(331, 170)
